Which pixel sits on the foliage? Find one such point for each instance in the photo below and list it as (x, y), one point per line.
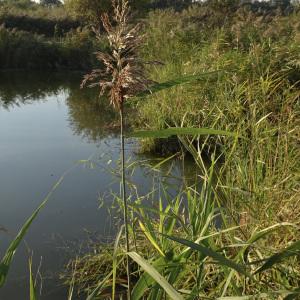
(35, 18)
(51, 2)
(191, 247)
(90, 11)
(73, 52)
(234, 233)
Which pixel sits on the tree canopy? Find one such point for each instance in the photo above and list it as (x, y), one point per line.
(51, 2)
(91, 10)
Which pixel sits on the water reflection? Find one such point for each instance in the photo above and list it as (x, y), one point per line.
(89, 116)
(20, 87)
(47, 124)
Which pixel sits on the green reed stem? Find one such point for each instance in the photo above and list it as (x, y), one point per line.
(124, 198)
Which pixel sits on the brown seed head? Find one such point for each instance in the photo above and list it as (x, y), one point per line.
(123, 74)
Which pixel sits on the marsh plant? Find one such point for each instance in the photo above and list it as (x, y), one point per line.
(122, 77)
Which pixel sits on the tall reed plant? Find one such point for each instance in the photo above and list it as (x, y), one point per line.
(122, 76)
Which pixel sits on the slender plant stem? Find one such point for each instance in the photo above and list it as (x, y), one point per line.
(124, 198)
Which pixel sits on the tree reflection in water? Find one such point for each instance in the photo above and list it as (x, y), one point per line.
(89, 116)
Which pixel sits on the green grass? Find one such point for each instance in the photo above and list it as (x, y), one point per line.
(251, 187)
(192, 243)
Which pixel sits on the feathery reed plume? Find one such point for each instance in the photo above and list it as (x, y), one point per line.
(123, 76)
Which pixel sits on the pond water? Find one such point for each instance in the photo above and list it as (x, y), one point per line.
(49, 126)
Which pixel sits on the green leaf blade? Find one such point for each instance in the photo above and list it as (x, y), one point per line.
(174, 82)
(292, 250)
(222, 260)
(173, 294)
(172, 131)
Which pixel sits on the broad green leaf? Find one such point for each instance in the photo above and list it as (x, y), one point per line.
(146, 281)
(165, 133)
(173, 294)
(150, 236)
(178, 81)
(9, 255)
(292, 250)
(222, 260)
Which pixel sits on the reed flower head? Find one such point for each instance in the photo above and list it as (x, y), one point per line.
(123, 73)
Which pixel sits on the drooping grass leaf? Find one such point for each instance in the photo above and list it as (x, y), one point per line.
(165, 133)
(146, 281)
(151, 237)
(292, 250)
(220, 259)
(178, 81)
(266, 231)
(10, 252)
(157, 166)
(237, 298)
(257, 235)
(173, 294)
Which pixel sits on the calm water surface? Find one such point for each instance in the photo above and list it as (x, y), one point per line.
(48, 125)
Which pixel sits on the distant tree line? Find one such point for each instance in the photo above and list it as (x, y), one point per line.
(51, 2)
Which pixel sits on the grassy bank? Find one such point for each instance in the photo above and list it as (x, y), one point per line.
(256, 92)
(252, 183)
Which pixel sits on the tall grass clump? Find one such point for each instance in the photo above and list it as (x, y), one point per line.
(256, 94)
(190, 247)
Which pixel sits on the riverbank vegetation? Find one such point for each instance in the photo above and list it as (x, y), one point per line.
(34, 36)
(235, 230)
